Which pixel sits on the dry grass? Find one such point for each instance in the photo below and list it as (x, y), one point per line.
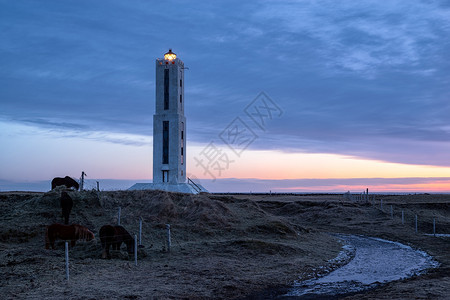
(222, 246)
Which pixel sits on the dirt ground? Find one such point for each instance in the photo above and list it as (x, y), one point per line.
(223, 246)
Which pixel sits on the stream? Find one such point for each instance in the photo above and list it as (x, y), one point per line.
(375, 261)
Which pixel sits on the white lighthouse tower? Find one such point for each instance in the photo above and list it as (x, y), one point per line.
(169, 130)
(169, 122)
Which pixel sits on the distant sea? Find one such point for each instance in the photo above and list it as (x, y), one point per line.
(225, 185)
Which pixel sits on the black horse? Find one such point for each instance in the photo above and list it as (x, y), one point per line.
(67, 181)
(66, 206)
(115, 236)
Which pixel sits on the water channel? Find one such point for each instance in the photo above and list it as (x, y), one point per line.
(375, 261)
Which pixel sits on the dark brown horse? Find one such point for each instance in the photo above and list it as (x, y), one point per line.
(114, 236)
(70, 233)
(67, 181)
(66, 206)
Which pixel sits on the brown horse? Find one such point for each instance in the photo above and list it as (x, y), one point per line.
(67, 181)
(114, 236)
(70, 233)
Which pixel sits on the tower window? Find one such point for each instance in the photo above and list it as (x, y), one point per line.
(165, 158)
(182, 155)
(181, 83)
(181, 98)
(166, 89)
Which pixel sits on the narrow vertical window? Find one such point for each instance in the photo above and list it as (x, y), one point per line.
(182, 142)
(181, 83)
(165, 153)
(182, 155)
(166, 89)
(165, 175)
(181, 99)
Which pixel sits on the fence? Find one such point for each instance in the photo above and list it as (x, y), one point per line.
(404, 217)
(167, 237)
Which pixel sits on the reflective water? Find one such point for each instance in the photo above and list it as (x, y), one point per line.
(375, 261)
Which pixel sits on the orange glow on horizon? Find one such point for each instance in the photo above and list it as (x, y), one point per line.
(398, 188)
(280, 165)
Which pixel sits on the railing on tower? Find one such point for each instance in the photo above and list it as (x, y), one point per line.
(194, 185)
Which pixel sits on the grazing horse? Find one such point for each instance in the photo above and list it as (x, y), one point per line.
(66, 206)
(115, 236)
(70, 233)
(67, 181)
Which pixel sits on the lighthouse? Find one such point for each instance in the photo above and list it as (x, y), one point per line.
(169, 130)
(169, 122)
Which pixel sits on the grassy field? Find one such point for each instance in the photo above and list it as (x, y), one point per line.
(223, 246)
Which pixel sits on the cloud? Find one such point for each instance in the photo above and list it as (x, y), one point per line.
(364, 36)
(365, 78)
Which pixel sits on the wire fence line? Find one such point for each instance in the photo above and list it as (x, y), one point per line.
(394, 211)
(165, 235)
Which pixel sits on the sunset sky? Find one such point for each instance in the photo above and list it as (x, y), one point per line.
(357, 92)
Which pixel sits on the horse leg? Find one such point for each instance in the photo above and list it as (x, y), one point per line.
(105, 246)
(107, 252)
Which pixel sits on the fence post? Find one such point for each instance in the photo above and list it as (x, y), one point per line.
(434, 226)
(169, 242)
(416, 223)
(135, 250)
(140, 231)
(67, 260)
(118, 216)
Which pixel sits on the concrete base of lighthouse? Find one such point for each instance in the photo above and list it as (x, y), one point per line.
(177, 188)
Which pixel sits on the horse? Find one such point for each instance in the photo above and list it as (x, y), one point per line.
(115, 236)
(70, 233)
(66, 206)
(67, 181)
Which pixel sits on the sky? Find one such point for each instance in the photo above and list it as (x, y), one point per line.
(326, 95)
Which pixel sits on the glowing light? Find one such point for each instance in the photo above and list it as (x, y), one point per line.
(170, 55)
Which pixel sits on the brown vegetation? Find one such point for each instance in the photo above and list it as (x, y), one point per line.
(222, 246)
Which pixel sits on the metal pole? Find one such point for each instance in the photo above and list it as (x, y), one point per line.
(169, 242)
(434, 227)
(140, 231)
(67, 261)
(135, 250)
(118, 216)
(82, 180)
